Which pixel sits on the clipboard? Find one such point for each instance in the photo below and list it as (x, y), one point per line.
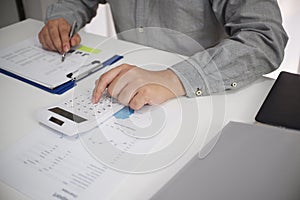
(47, 72)
(63, 87)
(57, 90)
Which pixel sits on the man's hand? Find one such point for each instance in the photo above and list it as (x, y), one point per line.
(54, 36)
(135, 87)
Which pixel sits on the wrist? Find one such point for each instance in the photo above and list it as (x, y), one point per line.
(175, 83)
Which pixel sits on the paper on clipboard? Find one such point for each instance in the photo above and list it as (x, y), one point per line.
(27, 59)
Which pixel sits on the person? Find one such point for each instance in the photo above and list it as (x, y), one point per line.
(240, 41)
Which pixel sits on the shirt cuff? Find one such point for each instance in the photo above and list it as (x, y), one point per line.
(190, 78)
(195, 80)
(61, 12)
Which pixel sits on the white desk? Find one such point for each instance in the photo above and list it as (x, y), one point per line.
(19, 102)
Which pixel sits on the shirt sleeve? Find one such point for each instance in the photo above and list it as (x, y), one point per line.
(255, 46)
(80, 10)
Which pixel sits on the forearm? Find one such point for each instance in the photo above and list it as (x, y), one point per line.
(80, 10)
(255, 46)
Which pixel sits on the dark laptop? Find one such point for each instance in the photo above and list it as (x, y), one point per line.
(282, 105)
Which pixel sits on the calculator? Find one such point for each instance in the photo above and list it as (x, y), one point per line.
(77, 114)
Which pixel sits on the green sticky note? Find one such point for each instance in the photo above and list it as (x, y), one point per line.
(89, 49)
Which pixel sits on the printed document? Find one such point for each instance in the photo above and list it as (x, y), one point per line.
(44, 165)
(29, 60)
(47, 165)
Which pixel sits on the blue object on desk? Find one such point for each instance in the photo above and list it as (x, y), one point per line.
(112, 60)
(63, 87)
(57, 90)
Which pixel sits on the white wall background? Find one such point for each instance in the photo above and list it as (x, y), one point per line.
(36, 9)
(8, 13)
(290, 10)
(103, 23)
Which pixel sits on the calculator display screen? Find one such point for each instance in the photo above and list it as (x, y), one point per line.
(67, 114)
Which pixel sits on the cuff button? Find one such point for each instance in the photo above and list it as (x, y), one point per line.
(141, 29)
(234, 84)
(198, 92)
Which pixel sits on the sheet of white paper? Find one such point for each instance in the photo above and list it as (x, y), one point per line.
(130, 140)
(45, 165)
(29, 60)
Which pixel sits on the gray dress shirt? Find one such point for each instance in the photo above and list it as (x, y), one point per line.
(230, 43)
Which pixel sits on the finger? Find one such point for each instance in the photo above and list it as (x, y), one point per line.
(126, 76)
(75, 40)
(106, 79)
(41, 38)
(152, 94)
(129, 91)
(96, 82)
(64, 30)
(48, 41)
(117, 85)
(138, 101)
(55, 35)
(103, 82)
(98, 91)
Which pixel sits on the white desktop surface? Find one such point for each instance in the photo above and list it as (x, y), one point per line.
(19, 102)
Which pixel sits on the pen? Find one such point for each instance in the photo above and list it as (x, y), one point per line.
(70, 36)
(76, 75)
(97, 65)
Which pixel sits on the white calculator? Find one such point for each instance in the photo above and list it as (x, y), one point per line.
(77, 114)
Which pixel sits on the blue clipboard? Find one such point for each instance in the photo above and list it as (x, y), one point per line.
(63, 87)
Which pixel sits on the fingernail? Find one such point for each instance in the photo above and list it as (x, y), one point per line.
(66, 48)
(94, 99)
